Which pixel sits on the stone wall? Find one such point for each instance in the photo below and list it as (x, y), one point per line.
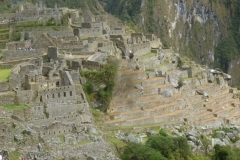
(58, 94)
(4, 86)
(70, 45)
(117, 32)
(12, 55)
(25, 96)
(56, 129)
(59, 110)
(7, 98)
(90, 31)
(139, 48)
(47, 28)
(5, 133)
(16, 45)
(91, 65)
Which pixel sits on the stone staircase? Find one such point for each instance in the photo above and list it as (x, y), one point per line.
(138, 99)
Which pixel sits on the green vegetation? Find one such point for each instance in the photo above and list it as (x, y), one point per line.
(61, 138)
(106, 75)
(117, 142)
(127, 10)
(97, 114)
(16, 36)
(161, 147)
(14, 155)
(4, 74)
(148, 55)
(15, 107)
(225, 153)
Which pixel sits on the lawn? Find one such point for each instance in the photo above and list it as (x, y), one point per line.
(151, 54)
(15, 107)
(4, 74)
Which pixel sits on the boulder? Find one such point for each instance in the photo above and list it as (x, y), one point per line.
(231, 136)
(167, 92)
(193, 139)
(151, 132)
(220, 134)
(217, 141)
(132, 138)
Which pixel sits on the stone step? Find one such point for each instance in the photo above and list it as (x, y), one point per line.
(202, 116)
(177, 115)
(147, 103)
(195, 98)
(133, 93)
(228, 111)
(139, 121)
(215, 100)
(114, 121)
(130, 114)
(209, 88)
(166, 108)
(221, 105)
(142, 82)
(214, 121)
(218, 93)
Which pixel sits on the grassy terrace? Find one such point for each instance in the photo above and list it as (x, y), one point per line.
(4, 74)
(148, 55)
(15, 107)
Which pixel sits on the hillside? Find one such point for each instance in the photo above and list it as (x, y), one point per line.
(204, 30)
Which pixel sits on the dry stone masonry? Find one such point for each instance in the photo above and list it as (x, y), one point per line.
(154, 85)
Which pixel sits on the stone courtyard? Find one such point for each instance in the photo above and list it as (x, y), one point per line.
(153, 85)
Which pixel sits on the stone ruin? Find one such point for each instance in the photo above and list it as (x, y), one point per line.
(154, 85)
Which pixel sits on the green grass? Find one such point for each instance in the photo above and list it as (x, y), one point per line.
(164, 63)
(4, 30)
(14, 107)
(14, 155)
(5, 120)
(61, 137)
(151, 54)
(3, 33)
(97, 114)
(116, 142)
(3, 41)
(4, 74)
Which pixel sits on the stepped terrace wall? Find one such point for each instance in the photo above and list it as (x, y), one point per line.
(46, 28)
(12, 55)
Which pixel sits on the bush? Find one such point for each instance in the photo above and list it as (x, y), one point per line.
(105, 75)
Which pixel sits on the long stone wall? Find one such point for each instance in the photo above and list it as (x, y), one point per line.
(47, 28)
(12, 55)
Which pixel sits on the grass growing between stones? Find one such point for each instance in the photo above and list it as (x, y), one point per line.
(61, 137)
(117, 142)
(151, 54)
(4, 74)
(15, 107)
(97, 115)
(164, 63)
